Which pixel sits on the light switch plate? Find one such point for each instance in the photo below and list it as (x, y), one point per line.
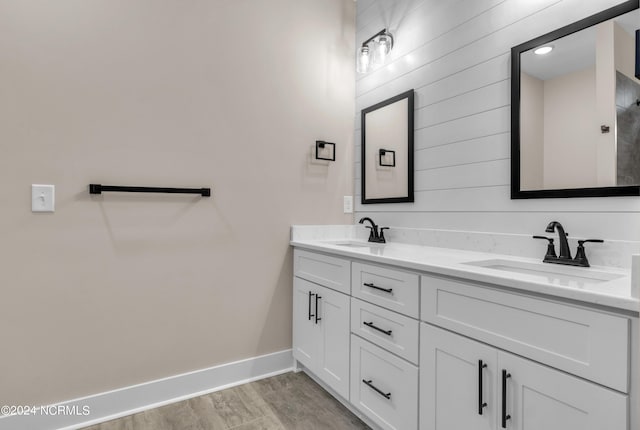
(348, 204)
(42, 198)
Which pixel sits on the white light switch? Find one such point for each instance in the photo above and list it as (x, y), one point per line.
(348, 204)
(42, 198)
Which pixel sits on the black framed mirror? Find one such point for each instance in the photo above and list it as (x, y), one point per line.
(387, 150)
(575, 109)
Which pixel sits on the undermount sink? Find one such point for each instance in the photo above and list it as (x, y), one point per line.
(357, 244)
(550, 273)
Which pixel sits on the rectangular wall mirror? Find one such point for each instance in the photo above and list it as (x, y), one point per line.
(387, 150)
(575, 109)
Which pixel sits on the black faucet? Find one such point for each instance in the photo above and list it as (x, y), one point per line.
(565, 254)
(374, 235)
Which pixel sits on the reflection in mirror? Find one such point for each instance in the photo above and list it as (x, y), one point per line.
(579, 110)
(387, 150)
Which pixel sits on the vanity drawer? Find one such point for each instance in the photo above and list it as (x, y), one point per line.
(383, 386)
(390, 330)
(585, 342)
(332, 272)
(389, 288)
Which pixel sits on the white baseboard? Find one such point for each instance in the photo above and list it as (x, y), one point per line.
(137, 398)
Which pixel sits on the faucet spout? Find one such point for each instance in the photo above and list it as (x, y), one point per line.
(373, 235)
(362, 220)
(565, 252)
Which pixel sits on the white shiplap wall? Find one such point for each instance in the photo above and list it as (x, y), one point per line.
(456, 55)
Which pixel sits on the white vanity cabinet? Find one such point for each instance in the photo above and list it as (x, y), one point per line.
(321, 325)
(410, 349)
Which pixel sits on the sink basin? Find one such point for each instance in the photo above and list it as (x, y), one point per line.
(357, 244)
(566, 276)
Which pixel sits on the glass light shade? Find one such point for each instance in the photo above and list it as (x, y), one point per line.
(383, 48)
(363, 60)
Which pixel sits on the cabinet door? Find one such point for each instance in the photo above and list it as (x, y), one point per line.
(333, 360)
(538, 397)
(306, 333)
(453, 386)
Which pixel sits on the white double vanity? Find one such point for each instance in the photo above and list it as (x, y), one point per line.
(418, 337)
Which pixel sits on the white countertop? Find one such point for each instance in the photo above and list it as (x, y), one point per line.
(614, 293)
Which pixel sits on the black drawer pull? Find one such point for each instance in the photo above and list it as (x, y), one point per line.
(318, 297)
(373, 387)
(370, 285)
(505, 417)
(481, 403)
(370, 324)
(310, 314)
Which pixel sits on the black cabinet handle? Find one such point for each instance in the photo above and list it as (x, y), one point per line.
(317, 313)
(377, 390)
(386, 290)
(505, 417)
(310, 314)
(370, 324)
(481, 403)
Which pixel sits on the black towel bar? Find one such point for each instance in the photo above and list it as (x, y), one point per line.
(99, 189)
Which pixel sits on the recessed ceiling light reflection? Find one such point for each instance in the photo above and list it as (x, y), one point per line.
(543, 50)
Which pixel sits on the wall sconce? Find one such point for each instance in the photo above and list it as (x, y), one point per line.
(383, 153)
(374, 51)
(322, 145)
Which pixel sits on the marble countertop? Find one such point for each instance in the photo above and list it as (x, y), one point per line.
(572, 283)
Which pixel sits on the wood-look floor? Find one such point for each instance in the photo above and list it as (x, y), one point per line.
(291, 401)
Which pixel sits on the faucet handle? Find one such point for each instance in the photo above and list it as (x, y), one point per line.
(551, 250)
(580, 242)
(581, 257)
(550, 239)
(381, 237)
